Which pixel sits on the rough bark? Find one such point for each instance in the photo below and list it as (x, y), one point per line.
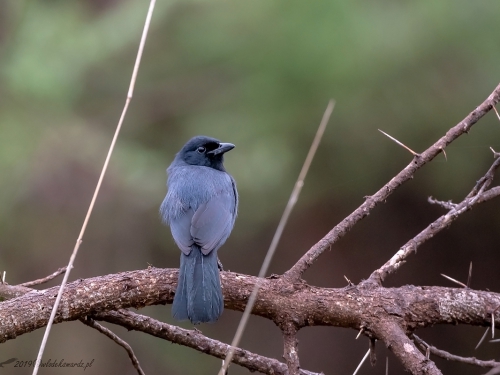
(411, 307)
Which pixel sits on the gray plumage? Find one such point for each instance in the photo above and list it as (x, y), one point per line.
(200, 208)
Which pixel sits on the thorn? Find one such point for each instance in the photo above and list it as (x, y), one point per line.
(3, 277)
(495, 154)
(227, 370)
(399, 143)
(496, 112)
(470, 275)
(444, 153)
(386, 365)
(482, 338)
(493, 322)
(348, 281)
(455, 281)
(360, 332)
(428, 352)
(493, 325)
(360, 363)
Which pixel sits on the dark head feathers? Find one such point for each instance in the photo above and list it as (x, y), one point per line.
(204, 151)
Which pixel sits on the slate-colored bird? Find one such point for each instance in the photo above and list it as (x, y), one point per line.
(200, 207)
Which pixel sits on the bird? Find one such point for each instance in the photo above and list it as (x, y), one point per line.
(200, 207)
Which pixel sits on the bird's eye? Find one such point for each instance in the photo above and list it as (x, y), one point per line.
(201, 149)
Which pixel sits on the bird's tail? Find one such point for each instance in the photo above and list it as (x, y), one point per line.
(199, 293)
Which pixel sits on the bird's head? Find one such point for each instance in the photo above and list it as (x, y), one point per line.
(205, 151)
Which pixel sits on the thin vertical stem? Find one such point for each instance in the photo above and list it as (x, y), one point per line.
(281, 226)
(96, 192)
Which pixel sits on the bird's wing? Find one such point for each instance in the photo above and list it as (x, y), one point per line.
(181, 231)
(212, 222)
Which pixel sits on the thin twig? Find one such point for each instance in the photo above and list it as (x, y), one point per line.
(452, 357)
(484, 182)
(448, 205)
(92, 323)
(96, 192)
(277, 235)
(44, 279)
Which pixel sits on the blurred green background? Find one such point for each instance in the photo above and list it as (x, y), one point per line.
(258, 74)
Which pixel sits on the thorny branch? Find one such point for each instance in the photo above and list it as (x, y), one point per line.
(484, 182)
(451, 357)
(296, 272)
(476, 196)
(407, 307)
(196, 340)
(92, 323)
(193, 339)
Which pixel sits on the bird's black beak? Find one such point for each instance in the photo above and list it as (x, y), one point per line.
(223, 148)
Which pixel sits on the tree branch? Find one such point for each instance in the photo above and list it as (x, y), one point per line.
(281, 302)
(451, 357)
(396, 340)
(193, 339)
(476, 196)
(44, 279)
(296, 272)
(93, 324)
(291, 349)
(196, 340)
(12, 291)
